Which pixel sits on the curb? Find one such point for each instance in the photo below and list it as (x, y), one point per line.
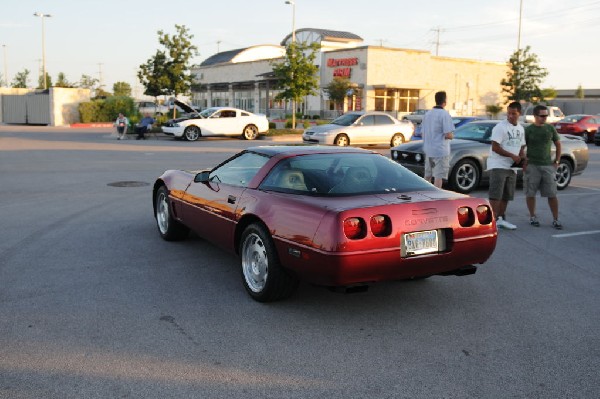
(90, 125)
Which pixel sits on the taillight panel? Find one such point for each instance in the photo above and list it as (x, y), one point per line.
(466, 218)
(355, 228)
(381, 225)
(484, 214)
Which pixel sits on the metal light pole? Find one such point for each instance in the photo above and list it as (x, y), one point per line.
(293, 3)
(5, 63)
(41, 15)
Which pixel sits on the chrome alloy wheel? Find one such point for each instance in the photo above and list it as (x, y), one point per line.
(162, 212)
(255, 262)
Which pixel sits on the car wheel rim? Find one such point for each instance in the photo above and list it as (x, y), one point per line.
(342, 141)
(251, 132)
(162, 213)
(255, 263)
(562, 175)
(465, 177)
(397, 140)
(191, 134)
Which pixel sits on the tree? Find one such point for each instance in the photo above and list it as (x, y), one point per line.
(579, 93)
(337, 90)
(549, 93)
(122, 89)
(168, 72)
(41, 82)
(61, 81)
(21, 79)
(297, 74)
(87, 82)
(153, 75)
(493, 110)
(523, 79)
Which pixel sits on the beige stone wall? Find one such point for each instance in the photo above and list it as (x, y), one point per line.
(64, 104)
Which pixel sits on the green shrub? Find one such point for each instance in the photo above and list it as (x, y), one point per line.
(306, 124)
(88, 111)
(115, 104)
(316, 116)
(288, 124)
(272, 125)
(106, 110)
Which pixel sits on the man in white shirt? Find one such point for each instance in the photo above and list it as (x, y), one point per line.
(506, 155)
(437, 130)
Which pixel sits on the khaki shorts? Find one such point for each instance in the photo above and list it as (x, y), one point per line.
(542, 178)
(437, 167)
(502, 184)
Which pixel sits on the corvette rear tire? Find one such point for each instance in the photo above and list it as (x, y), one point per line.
(169, 228)
(191, 133)
(263, 276)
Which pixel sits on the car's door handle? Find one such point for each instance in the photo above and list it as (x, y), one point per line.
(231, 199)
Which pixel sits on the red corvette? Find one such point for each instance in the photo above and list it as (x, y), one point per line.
(337, 217)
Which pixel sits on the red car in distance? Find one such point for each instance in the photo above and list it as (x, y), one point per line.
(332, 216)
(581, 125)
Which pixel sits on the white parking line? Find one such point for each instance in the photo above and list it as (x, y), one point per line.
(581, 233)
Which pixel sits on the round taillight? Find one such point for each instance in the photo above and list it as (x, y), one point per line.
(381, 225)
(465, 216)
(354, 228)
(484, 214)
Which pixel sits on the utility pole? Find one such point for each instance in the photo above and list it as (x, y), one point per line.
(517, 80)
(437, 40)
(5, 63)
(218, 46)
(100, 76)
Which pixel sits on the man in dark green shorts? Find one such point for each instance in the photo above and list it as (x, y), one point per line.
(540, 170)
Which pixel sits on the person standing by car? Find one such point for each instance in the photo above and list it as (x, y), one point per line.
(437, 130)
(143, 127)
(121, 123)
(540, 169)
(507, 151)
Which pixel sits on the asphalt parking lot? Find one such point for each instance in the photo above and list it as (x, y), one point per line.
(93, 304)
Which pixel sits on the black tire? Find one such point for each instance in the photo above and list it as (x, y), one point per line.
(168, 228)
(263, 276)
(465, 176)
(397, 139)
(250, 132)
(564, 172)
(192, 133)
(341, 140)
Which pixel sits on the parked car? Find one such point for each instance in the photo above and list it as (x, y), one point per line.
(150, 107)
(457, 120)
(470, 149)
(360, 128)
(554, 114)
(584, 126)
(416, 117)
(217, 121)
(336, 217)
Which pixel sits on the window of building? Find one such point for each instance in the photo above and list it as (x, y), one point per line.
(399, 100)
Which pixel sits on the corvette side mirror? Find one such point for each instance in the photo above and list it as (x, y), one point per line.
(202, 177)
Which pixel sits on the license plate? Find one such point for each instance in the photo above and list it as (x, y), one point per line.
(421, 242)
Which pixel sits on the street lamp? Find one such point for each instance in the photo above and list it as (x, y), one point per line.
(5, 68)
(293, 3)
(39, 14)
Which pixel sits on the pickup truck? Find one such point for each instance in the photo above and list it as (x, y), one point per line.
(554, 114)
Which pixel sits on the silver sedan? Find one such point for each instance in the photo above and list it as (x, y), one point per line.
(361, 128)
(470, 149)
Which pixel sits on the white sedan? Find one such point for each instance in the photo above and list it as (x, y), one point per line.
(360, 128)
(218, 121)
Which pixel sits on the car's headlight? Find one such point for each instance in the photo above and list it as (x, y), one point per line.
(394, 154)
(418, 157)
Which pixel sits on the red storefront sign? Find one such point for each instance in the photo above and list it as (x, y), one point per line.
(342, 62)
(342, 72)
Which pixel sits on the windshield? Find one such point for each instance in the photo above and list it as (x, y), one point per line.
(346, 120)
(342, 174)
(208, 112)
(474, 131)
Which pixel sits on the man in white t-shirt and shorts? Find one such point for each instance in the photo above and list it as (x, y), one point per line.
(438, 130)
(506, 155)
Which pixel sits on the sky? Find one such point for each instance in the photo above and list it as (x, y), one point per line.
(109, 39)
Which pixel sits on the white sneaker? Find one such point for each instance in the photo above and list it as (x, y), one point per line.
(500, 222)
